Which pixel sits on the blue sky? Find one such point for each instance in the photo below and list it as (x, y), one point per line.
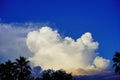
(71, 18)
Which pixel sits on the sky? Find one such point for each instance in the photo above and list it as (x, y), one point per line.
(98, 19)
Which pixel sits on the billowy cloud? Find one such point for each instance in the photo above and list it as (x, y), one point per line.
(76, 56)
(46, 48)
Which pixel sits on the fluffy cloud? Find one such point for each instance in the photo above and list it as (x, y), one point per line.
(104, 63)
(50, 50)
(76, 56)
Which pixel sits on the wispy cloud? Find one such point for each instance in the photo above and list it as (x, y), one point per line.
(13, 41)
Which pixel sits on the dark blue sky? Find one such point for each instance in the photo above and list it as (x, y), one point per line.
(71, 18)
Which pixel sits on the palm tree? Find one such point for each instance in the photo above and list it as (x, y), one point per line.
(23, 69)
(2, 68)
(116, 60)
(7, 71)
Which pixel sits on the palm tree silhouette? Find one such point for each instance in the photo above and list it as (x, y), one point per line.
(23, 69)
(116, 60)
(7, 71)
(2, 68)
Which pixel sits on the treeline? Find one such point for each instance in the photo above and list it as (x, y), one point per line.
(21, 70)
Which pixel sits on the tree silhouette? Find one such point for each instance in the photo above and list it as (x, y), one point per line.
(2, 72)
(20, 70)
(47, 74)
(61, 75)
(56, 75)
(7, 71)
(23, 69)
(116, 60)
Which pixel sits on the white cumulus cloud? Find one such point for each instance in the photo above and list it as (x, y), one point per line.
(51, 51)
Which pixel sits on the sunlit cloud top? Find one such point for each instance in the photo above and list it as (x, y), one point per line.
(52, 51)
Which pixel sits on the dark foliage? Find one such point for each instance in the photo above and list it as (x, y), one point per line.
(23, 69)
(61, 75)
(20, 70)
(56, 75)
(7, 71)
(116, 60)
